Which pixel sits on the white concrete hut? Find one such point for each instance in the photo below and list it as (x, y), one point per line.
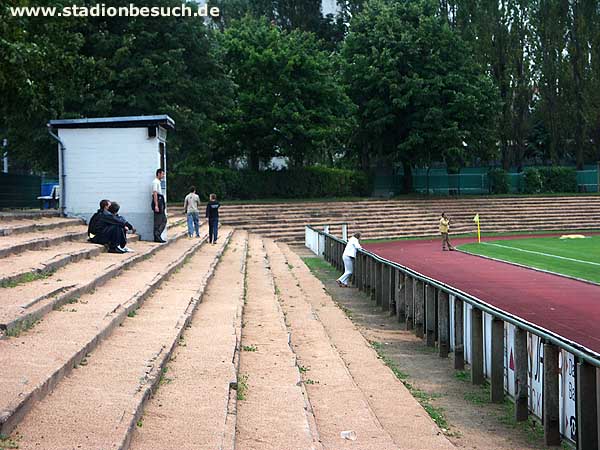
(114, 158)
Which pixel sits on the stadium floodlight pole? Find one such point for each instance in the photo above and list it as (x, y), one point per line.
(61, 169)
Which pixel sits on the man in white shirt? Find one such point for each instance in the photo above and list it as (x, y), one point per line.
(348, 257)
(158, 206)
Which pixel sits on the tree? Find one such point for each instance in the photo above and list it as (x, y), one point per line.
(163, 65)
(39, 71)
(113, 66)
(304, 15)
(421, 97)
(551, 27)
(288, 99)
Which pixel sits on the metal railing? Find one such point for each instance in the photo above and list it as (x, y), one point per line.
(546, 374)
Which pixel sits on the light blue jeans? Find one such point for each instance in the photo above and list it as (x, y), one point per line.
(193, 224)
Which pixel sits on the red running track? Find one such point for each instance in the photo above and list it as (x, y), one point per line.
(567, 307)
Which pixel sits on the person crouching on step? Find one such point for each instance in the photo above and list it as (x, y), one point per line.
(348, 257)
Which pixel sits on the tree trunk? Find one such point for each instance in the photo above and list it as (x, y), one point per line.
(407, 177)
(365, 160)
(577, 62)
(254, 161)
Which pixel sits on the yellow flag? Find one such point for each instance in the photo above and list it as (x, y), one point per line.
(476, 218)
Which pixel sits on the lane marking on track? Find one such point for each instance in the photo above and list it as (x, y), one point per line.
(543, 254)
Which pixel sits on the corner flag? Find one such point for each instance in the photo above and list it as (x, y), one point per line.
(476, 220)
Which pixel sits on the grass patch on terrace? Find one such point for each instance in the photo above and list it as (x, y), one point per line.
(424, 398)
(28, 277)
(319, 266)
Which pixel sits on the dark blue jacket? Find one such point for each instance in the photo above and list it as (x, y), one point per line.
(212, 210)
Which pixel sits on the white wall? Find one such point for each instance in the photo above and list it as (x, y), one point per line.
(329, 7)
(114, 163)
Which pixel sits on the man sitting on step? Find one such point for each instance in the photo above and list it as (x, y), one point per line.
(106, 227)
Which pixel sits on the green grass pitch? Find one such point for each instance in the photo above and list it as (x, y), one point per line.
(579, 258)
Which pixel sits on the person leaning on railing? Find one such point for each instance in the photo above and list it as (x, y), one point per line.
(348, 257)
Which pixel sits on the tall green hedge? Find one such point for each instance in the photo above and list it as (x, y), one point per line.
(549, 179)
(308, 182)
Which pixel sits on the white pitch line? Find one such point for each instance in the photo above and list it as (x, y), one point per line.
(543, 254)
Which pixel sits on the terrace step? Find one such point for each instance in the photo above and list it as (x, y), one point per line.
(35, 240)
(98, 405)
(45, 261)
(349, 372)
(38, 238)
(404, 214)
(274, 413)
(196, 407)
(27, 214)
(420, 218)
(37, 224)
(336, 400)
(566, 222)
(35, 361)
(24, 304)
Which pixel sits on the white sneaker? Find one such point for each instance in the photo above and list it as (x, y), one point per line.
(126, 249)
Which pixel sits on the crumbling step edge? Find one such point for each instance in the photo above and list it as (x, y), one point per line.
(10, 418)
(71, 292)
(153, 378)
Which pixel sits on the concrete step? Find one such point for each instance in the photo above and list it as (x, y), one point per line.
(24, 304)
(33, 263)
(415, 200)
(37, 224)
(568, 221)
(437, 206)
(274, 411)
(337, 392)
(413, 215)
(42, 238)
(196, 407)
(417, 217)
(34, 240)
(35, 361)
(20, 214)
(101, 403)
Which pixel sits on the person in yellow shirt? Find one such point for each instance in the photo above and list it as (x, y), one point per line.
(444, 229)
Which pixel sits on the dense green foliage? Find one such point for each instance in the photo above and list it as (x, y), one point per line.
(383, 84)
(110, 67)
(307, 182)
(498, 179)
(288, 99)
(549, 180)
(421, 96)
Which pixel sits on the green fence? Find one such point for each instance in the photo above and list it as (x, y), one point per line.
(19, 191)
(587, 180)
(474, 180)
